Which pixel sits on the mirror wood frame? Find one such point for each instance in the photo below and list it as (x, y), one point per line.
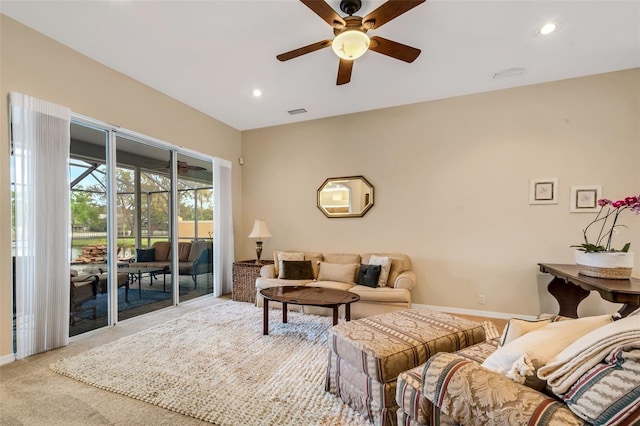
(335, 211)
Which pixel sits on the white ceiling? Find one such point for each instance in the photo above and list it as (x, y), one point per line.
(212, 54)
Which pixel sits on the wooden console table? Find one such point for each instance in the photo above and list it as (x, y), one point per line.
(570, 288)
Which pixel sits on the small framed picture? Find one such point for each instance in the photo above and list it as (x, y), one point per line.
(543, 191)
(584, 199)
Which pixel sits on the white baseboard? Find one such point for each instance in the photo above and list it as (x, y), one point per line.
(6, 359)
(489, 314)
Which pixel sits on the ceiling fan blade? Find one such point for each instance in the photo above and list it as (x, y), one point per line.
(344, 71)
(303, 50)
(326, 12)
(394, 49)
(388, 11)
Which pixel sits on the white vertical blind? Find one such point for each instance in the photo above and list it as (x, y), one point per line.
(40, 142)
(222, 228)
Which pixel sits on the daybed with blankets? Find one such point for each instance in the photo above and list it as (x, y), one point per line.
(555, 371)
(382, 280)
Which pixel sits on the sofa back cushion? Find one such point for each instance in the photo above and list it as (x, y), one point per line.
(341, 258)
(183, 251)
(162, 251)
(315, 259)
(198, 247)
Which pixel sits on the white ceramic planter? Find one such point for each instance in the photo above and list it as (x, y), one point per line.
(611, 265)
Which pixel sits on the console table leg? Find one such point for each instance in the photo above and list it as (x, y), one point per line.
(568, 296)
(265, 317)
(627, 308)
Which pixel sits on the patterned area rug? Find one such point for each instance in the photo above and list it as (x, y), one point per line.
(215, 365)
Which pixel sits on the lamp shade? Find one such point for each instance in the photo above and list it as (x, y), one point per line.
(350, 44)
(260, 230)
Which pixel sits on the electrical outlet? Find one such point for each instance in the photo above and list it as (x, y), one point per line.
(481, 299)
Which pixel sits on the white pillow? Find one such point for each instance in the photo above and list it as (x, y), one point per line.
(341, 272)
(520, 359)
(385, 262)
(287, 255)
(517, 327)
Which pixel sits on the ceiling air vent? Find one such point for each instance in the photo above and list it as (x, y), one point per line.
(297, 111)
(509, 72)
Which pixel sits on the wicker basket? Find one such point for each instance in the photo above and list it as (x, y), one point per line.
(244, 280)
(608, 273)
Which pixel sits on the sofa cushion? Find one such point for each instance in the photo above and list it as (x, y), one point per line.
(382, 294)
(297, 270)
(262, 283)
(369, 275)
(518, 327)
(337, 285)
(279, 256)
(385, 263)
(345, 273)
(145, 255)
(163, 250)
(520, 359)
(399, 264)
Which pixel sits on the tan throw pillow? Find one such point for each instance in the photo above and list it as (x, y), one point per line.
(518, 327)
(520, 359)
(341, 272)
(287, 255)
(385, 262)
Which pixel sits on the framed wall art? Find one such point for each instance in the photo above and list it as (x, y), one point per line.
(543, 191)
(584, 198)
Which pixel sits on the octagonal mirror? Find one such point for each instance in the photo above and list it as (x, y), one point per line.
(350, 196)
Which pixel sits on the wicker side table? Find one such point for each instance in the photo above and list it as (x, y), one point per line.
(245, 273)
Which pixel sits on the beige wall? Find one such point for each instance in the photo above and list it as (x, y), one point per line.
(38, 66)
(452, 182)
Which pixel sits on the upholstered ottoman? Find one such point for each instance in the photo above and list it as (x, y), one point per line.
(367, 355)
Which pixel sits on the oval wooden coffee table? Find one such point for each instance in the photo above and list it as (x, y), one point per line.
(307, 296)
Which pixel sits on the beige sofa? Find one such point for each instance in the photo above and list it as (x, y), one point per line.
(395, 296)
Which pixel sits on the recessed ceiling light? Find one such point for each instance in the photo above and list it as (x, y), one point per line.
(547, 28)
(257, 93)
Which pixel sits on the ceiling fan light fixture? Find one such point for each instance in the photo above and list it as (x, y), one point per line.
(350, 44)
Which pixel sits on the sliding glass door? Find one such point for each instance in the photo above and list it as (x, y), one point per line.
(142, 223)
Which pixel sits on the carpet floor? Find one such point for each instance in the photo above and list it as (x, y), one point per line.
(215, 365)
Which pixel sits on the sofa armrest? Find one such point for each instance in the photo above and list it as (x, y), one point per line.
(406, 280)
(473, 395)
(268, 271)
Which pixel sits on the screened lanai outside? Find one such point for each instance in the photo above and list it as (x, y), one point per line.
(144, 226)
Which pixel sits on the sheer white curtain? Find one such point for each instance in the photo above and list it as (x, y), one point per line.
(222, 228)
(40, 143)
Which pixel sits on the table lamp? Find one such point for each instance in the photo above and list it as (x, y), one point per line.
(259, 231)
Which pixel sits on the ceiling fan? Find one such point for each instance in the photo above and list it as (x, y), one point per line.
(351, 39)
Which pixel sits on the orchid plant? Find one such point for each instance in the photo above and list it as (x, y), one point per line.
(607, 219)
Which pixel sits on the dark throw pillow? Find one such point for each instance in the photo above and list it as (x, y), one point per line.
(297, 270)
(145, 255)
(369, 275)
